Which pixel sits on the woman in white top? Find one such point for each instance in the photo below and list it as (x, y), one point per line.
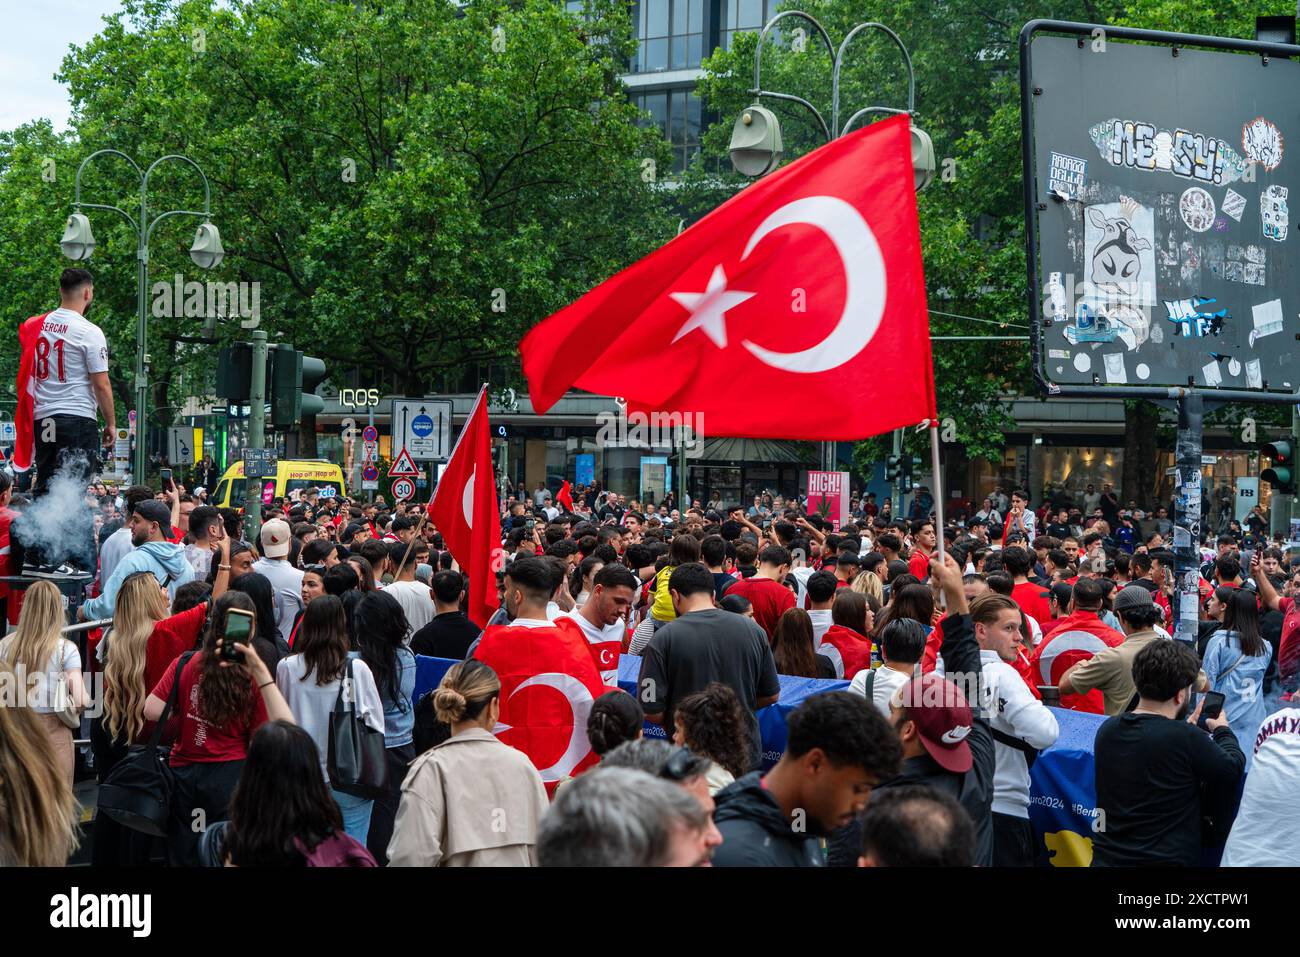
(48, 663)
(310, 682)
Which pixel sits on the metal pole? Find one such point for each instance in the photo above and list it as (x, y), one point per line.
(938, 487)
(895, 487)
(1187, 517)
(256, 433)
(370, 413)
(141, 337)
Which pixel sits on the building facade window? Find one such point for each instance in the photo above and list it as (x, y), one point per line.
(740, 15)
(670, 35)
(677, 115)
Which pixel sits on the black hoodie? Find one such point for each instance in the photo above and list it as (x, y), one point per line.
(756, 832)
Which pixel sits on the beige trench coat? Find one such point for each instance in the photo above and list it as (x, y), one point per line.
(469, 802)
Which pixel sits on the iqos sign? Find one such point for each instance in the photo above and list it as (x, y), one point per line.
(359, 398)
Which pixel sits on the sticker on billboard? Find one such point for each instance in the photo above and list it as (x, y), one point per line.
(1273, 212)
(1261, 141)
(1234, 204)
(1197, 209)
(1066, 175)
(1193, 317)
(1135, 144)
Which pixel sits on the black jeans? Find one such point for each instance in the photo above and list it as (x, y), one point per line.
(205, 788)
(384, 812)
(66, 445)
(1013, 841)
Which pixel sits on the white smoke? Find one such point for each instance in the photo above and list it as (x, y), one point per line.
(60, 523)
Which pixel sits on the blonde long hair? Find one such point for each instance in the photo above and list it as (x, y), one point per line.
(37, 636)
(38, 810)
(138, 607)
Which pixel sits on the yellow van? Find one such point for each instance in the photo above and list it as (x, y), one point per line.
(290, 475)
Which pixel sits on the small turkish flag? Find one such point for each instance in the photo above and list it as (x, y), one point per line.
(464, 509)
(805, 290)
(565, 496)
(25, 412)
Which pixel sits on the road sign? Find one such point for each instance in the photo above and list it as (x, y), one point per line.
(403, 467)
(370, 433)
(260, 463)
(8, 432)
(180, 445)
(370, 474)
(403, 489)
(423, 428)
(369, 451)
(1157, 214)
(370, 486)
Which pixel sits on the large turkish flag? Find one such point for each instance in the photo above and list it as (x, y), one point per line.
(794, 310)
(464, 509)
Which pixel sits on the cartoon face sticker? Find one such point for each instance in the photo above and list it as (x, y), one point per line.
(1116, 267)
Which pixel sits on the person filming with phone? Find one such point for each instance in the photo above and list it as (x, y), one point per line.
(224, 693)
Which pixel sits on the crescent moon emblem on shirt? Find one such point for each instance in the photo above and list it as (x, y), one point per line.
(864, 282)
(467, 498)
(580, 700)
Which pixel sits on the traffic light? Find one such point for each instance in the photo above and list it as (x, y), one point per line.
(234, 368)
(1282, 476)
(292, 384)
(893, 468)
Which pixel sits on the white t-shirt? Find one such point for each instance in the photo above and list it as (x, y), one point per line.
(821, 622)
(601, 636)
(887, 682)
(416, 600)
(312, 704)
(1269, 811)
(286, 588)
(68, 350)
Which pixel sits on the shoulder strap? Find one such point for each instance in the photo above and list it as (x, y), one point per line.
(171, 699)
(1030, 753)
(343, 682)
(1231, 668)
(871, 685)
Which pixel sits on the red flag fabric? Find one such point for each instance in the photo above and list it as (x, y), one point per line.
(548, 683)
(849, 651)
(1073, 639)
(25, 386)
(806, 288)
(565, 496)
(464, 509)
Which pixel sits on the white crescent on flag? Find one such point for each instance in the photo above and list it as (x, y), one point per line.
(580, 700)
(467, 498)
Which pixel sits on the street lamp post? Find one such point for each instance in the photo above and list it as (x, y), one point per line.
(756, 145)
(78, 243)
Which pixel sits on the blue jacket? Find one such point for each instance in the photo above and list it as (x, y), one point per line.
(1243, 687)
(165, 560)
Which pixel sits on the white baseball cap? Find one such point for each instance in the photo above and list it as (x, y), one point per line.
(275, 539)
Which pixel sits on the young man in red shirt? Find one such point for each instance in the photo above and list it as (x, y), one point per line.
(1034, 600)
(766, 590)
(923, 538)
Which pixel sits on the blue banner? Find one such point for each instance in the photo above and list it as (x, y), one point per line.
(584, 466)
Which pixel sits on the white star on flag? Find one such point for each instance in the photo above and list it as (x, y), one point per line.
(708, 309)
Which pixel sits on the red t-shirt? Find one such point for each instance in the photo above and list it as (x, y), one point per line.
(1288, 649)
(1033, 601)
(171, 638)
(919, 564)
(197, 741)
(770, 599)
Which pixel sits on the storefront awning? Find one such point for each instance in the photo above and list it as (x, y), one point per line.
(767, 451)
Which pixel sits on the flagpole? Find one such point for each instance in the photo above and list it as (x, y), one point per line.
(938, 486)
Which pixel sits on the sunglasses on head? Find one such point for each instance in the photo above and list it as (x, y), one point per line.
(678, 766)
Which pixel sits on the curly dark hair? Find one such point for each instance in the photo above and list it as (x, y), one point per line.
(713, 725)
(848, 730)
(225, 694)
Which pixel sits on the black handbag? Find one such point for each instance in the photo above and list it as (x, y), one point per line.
(138, 791)
(358, 761)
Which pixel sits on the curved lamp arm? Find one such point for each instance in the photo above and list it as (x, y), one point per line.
(839, 60)
(870, 109)
(758, 64)
(207, 191)
(173, 212)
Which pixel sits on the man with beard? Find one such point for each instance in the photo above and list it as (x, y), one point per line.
(1157, 772)
(152, 553)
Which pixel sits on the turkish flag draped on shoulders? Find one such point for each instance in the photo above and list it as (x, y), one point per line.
(464, 509)
(805, 290)
(548, 683)
(25, 413)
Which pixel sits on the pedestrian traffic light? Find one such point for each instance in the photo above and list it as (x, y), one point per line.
(1282, 476)
(893, 468)
(294, 379)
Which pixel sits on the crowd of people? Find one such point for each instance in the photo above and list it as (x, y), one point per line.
(948, 667)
